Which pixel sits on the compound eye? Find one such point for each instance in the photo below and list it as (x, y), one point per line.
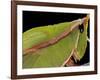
(81, 28)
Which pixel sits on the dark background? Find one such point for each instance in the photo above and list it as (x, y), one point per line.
(35, 19)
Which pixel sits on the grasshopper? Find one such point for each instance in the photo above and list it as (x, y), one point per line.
(55, 45)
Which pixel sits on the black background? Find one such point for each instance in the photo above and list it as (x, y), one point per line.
(35, 19)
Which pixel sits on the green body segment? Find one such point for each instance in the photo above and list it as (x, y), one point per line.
(82, 42)
(56, 54)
